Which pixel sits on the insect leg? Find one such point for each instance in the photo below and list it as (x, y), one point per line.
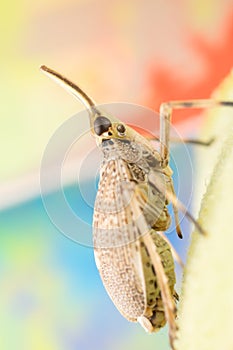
(192, 141)
(168, 302)
(174, 252)
(165, 119)
(175, 210)
(171, 197)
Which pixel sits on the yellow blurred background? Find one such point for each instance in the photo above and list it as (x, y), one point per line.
(140, 52)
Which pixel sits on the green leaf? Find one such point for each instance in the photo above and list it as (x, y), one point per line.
(206, 312)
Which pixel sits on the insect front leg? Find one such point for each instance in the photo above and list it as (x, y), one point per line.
(166, 115)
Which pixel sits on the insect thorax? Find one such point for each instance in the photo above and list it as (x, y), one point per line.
(124, 181)
(127, 206)
(139, 159)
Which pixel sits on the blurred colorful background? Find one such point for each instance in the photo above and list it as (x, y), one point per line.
(51, 296)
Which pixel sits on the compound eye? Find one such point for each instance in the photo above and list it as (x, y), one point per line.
(121, 129)
(101, 125)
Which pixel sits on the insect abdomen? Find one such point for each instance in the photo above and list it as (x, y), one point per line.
(155, 311)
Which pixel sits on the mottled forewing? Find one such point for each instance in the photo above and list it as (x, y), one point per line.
(116, 244)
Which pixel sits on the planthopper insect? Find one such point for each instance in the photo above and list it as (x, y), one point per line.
(133, 256)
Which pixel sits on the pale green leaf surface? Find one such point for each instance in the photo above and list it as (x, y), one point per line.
(206, 313)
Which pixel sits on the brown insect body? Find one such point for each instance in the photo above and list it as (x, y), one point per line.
(125, 201)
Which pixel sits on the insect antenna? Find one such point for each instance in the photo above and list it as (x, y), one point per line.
(72, 88)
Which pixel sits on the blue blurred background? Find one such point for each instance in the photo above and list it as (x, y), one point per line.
(51, 295)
